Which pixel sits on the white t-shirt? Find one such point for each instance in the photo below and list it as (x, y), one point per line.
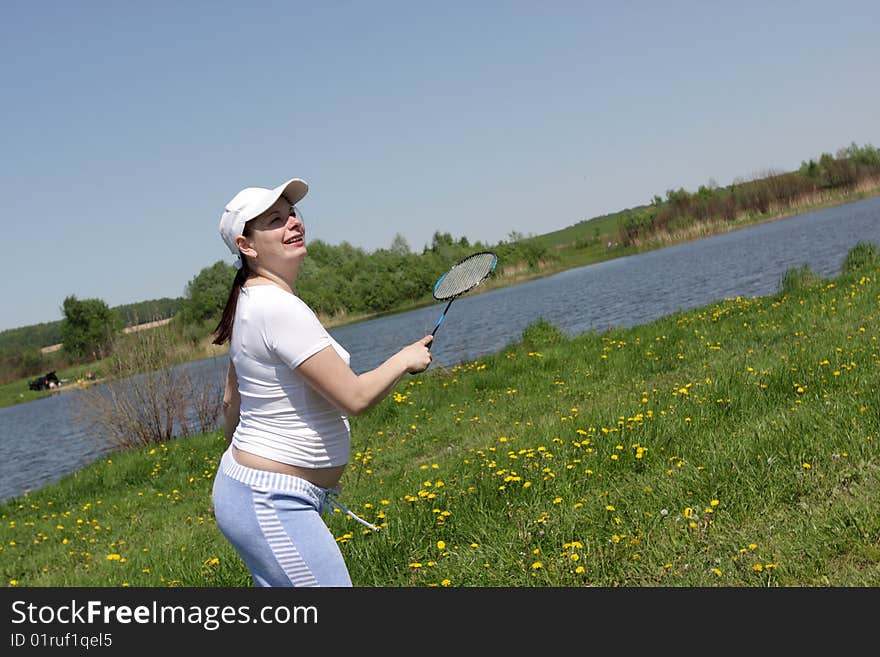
(282, 417)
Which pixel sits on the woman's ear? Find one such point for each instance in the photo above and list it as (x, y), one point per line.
(244, 245)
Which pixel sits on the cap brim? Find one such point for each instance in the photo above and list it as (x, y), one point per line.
(293, 190)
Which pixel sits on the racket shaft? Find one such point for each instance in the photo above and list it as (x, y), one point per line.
(440, 321)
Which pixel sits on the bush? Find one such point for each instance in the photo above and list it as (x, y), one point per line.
(541, 333)
(862, 256)
(798, 278)
(149, 399)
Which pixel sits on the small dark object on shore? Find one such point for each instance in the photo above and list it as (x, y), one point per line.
(45, 382)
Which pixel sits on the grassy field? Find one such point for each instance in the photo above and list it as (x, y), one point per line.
(733, 445)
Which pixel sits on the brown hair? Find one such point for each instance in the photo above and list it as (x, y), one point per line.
(223, 332)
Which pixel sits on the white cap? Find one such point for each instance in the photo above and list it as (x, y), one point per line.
(252, 202)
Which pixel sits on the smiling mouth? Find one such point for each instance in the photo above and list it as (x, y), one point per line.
(295, 240)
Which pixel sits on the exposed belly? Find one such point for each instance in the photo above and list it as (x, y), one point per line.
(323, 477)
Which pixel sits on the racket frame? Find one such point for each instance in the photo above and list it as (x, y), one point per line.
(453, 297)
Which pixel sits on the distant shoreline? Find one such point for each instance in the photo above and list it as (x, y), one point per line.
(553, 268)
(207, 350)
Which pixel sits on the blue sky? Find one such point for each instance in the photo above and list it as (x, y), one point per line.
(128, 125)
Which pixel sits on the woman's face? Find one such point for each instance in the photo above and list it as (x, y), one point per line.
(277, 238)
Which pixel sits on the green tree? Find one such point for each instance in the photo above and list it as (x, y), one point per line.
(206, 294)
(88, 327)
(440, 240)
(399, 245)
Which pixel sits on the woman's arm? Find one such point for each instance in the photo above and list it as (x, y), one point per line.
(231, 403)
(353, 393)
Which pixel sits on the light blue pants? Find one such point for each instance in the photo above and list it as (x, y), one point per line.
(274, 522)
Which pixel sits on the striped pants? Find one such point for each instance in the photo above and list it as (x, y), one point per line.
(274, 522)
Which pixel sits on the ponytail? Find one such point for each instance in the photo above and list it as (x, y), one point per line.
(223, 332)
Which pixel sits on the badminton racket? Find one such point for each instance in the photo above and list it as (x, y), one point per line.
(462, 277)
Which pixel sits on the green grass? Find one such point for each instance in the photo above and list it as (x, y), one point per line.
(733, 445)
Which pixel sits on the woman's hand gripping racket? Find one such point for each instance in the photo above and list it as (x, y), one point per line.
(462, 277)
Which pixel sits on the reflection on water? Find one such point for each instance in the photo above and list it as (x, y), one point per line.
(41, 442)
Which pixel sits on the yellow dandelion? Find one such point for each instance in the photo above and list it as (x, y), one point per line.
(441, 545)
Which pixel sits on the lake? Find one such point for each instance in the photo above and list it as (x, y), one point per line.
(41, 441)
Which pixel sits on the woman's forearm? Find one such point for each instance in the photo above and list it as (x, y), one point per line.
(356, 393)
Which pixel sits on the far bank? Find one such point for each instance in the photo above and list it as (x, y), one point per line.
(569, 255)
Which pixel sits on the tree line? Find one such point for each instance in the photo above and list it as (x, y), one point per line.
(852, 166)
(341, 281)
(85, 322)
(337, 281)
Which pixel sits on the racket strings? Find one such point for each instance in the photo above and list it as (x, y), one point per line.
(465, 275)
